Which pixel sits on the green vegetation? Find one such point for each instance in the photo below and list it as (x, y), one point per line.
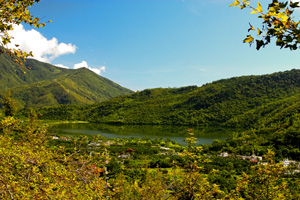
(248, 101)
(43, 165)
(281, 137)
(15, 12)
(9, 107)
(36, 164)
(266, 106)
(41, 84)
(278, 23)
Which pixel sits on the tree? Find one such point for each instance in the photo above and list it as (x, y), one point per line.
(265, 182)
(277, 23)
(9, 105)
(15, 12)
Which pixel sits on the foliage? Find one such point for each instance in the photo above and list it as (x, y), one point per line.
(30, 170)
(277, 23)
(190, 140)
(282, 137)
(36, 165)
(269, 177)
(15, 12)
(9, 105)
(247, 101)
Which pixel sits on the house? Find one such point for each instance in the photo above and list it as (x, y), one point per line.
(94, 144)
(60, 138)
(286, 162)
(255, 158)
(223, 154)
(129, 150)
(124, 156)
(55, 138)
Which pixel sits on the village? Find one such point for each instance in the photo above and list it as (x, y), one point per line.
(169, 151)
(260, 161)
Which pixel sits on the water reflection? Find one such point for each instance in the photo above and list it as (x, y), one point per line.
(205, 135)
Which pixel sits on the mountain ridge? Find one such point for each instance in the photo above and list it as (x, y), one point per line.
(239, 101)
(40, 84)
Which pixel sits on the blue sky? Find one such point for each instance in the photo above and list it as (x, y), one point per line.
(142, 44)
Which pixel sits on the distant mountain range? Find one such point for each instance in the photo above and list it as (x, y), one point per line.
(40, 84)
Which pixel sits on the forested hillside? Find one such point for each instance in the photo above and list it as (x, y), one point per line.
(40, 84)
(240, 101)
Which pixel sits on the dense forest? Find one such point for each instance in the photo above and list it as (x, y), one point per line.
(247, 101)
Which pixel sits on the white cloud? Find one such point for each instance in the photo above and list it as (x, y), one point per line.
(84, 64)
(61, 66)
(102, 69)
(80, 65)
(43, 49)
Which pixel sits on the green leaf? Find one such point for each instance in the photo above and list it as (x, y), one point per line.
(259, 44)
(294, 5)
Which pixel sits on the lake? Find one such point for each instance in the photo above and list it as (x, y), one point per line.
(204, 135)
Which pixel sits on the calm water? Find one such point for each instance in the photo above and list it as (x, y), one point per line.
(205, 135)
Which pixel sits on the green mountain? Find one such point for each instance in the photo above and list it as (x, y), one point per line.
(40, 84)
(267, 108)
(240, 101)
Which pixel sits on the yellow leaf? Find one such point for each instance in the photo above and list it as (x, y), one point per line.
(259, 8)
(248, 39)
(283, 17)
(258, 32)
(251, 28)
(253, 12)
(272, 11)
(236, 3)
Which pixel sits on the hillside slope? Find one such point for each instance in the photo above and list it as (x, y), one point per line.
(41, 84)
(239, 101)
